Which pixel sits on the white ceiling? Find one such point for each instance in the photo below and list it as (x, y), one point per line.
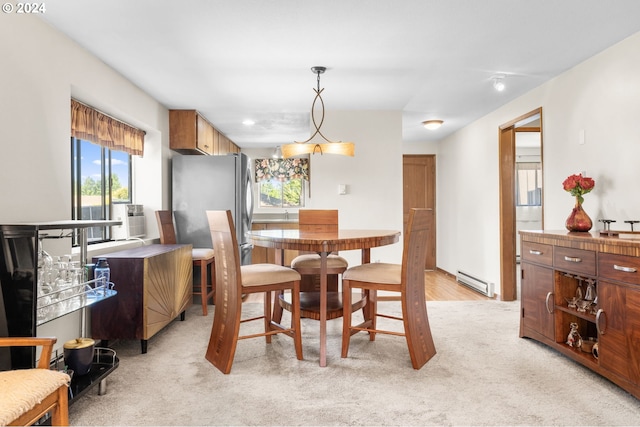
(239, 59)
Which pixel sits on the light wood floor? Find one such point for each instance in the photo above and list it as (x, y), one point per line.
(439, 286)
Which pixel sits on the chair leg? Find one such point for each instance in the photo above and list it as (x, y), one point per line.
(203, 287)
(60, 413)
(277, 308)
(371, 309)
(417, 331)
(267, 315)
(346, 317)
(295, 319)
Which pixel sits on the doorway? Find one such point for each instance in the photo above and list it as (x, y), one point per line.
(419, 191)
(530, 122)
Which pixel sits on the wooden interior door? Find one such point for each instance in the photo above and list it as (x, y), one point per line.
(507, 161)
(419, 191)
(507, 153)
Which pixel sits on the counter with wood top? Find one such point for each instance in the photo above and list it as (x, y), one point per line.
(557, 267)
(154, 284)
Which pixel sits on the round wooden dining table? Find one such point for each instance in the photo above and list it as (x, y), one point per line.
(323, 243)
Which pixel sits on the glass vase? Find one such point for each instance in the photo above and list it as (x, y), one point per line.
(578, 220)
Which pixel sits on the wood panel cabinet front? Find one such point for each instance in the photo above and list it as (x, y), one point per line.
(154, 285)
(575, 260)
(190, 133)
(618, 324)
(537, 301)
(204, 140)
(261, 255)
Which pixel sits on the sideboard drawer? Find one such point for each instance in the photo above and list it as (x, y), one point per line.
(538, 253)
(619, 267)
(579, 261)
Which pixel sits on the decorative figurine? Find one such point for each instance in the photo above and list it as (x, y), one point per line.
(574, 339)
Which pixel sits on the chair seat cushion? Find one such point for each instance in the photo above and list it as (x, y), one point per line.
(313, 261)
(267, 274)
(202, 253)
(22, 389)
(375, 273)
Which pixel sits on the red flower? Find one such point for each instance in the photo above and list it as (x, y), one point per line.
(578, 185)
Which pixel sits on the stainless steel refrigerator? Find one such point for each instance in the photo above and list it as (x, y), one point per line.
(202, 183)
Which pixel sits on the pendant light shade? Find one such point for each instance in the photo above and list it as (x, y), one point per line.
(300, 148)
(308, 147)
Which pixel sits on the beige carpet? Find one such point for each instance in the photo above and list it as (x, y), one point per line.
(483, 374)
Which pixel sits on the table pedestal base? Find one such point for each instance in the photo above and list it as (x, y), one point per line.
(310, 304)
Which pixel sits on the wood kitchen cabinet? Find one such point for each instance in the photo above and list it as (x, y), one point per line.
(154, 285)
(557, 266)
(261, 255)
(191, 133)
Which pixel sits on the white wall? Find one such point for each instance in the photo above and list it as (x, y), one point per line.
(42, 69)
(600, 96)
(373, 176)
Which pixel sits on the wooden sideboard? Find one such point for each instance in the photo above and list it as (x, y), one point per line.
(554, 264)
(154, 285)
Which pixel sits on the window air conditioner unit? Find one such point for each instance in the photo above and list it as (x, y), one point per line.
(133, 222)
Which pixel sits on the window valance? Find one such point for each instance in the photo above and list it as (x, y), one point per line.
(281, 169)
(92, 125)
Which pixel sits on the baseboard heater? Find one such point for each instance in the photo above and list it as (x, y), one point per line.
(479, 285)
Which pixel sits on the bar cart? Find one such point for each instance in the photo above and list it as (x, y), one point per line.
(31, 296)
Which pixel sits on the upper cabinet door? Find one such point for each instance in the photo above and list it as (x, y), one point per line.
(204, 141)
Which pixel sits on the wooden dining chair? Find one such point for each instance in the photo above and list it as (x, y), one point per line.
(318, 221)
(406, 278)
(27, 395)
(202, 258)
(308, 265)
(233, 281)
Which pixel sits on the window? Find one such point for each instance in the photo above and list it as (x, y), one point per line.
(529, 184)
(99, 176)
(281, 182)
(101, 150)
(281, 194)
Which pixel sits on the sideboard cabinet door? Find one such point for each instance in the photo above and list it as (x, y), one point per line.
(537, 301)
(154, 284)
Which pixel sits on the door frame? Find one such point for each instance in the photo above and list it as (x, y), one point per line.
(507, 210)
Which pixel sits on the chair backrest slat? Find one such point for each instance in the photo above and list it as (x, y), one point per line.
(318, 220)
(228, 288)
(416, 242)
(166, 228)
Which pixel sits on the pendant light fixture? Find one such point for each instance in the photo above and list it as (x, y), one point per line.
(308, 147)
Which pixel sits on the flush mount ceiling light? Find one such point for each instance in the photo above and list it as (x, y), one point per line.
(432, 124)
(308, 147)
(498, 82)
